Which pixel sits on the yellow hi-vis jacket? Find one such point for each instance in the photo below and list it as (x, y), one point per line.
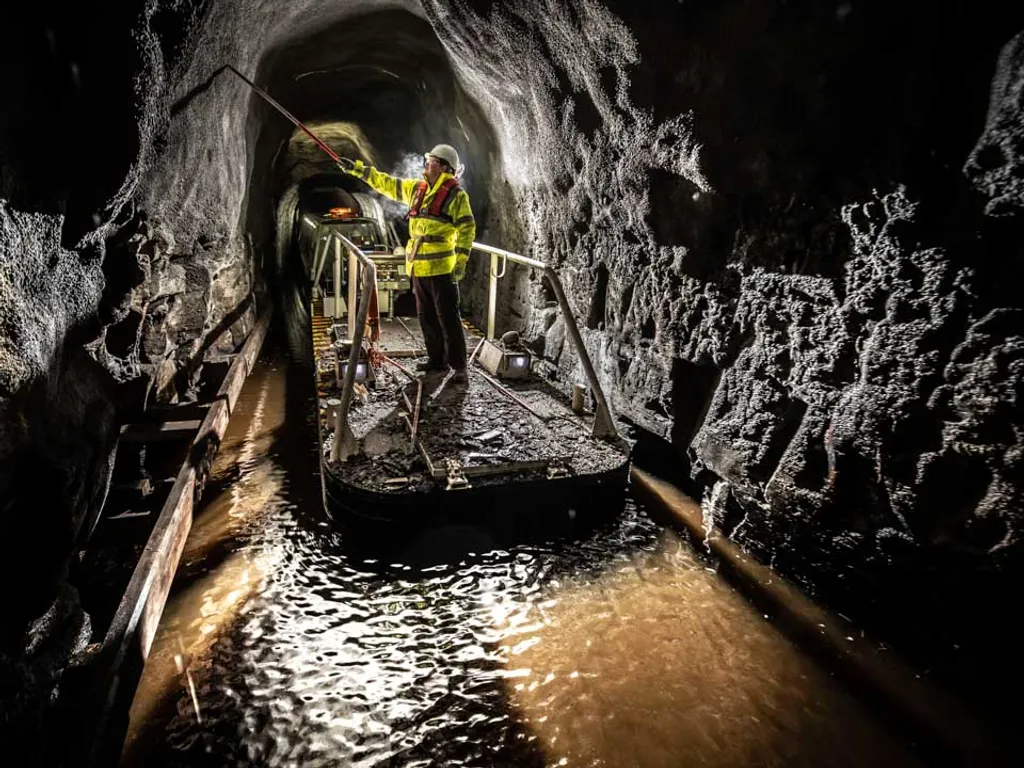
(446, 239)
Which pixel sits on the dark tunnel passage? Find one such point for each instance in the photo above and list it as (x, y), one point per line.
(380, 88)
(792, 238)
(376, 87)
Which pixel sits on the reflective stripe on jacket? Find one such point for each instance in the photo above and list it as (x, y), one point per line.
(447, 239)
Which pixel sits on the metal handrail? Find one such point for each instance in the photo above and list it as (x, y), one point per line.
(345, 445)
(319, 259)
(603, 424)
(344, 441)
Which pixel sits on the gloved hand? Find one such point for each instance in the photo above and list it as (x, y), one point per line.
(346, 165)
(459, 272)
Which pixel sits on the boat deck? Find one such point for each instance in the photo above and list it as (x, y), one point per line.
(460, 436)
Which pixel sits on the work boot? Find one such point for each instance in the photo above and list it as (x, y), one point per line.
(461, 376)
(429, 367)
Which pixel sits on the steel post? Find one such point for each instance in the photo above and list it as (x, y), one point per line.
(603, 425)
(353, 279)
(344, 442)
(492, 294)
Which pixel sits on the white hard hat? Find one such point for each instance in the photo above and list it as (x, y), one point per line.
(447, 153)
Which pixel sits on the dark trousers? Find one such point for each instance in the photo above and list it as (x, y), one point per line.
(437, 304)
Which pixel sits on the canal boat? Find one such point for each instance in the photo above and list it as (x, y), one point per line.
(401, 447)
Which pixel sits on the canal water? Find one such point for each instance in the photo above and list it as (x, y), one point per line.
(285, 643)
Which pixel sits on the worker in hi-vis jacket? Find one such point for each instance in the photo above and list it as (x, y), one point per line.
(441, 233)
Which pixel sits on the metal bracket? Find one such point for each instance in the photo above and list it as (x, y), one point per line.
(347, 446)
(456, 478)
(558, 468)
(603, 425)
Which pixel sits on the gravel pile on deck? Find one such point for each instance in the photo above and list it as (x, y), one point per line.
(478, 425)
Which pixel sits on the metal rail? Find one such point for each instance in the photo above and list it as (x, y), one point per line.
(323, 244)
(345, 445)
(106, 679)
(603, 424)
(319, 259)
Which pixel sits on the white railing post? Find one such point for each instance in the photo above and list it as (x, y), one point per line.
(345, 444)
(337, 278)
(353, 278)
(320, 257)
(492, 294)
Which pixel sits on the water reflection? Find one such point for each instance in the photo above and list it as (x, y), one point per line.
(617, 649)
(656, 662)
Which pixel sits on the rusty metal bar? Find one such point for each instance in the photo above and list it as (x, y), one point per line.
(399, 366)
(511, 395)
(416, 410)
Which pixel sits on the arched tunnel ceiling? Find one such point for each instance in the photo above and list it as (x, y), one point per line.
(383, 71)
(375, 86)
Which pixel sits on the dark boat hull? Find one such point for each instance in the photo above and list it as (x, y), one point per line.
(518, 504)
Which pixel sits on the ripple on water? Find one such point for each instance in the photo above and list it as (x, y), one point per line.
(615, 650)
(329, 661)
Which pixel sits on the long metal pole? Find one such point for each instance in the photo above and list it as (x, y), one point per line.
(334, 155)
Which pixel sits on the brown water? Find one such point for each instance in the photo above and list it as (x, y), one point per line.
(283, 645)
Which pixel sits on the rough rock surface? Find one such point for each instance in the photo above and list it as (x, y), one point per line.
(792, 233)
(830, 307)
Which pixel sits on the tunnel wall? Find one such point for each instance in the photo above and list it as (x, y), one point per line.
(68, 139)
(786, 249)
(131, 167)
(794, 233)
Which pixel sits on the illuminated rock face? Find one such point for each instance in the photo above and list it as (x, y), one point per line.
(768, 221)
(793, 237)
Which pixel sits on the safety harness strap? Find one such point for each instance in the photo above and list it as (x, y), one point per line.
(417, 199)
(438, 208)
